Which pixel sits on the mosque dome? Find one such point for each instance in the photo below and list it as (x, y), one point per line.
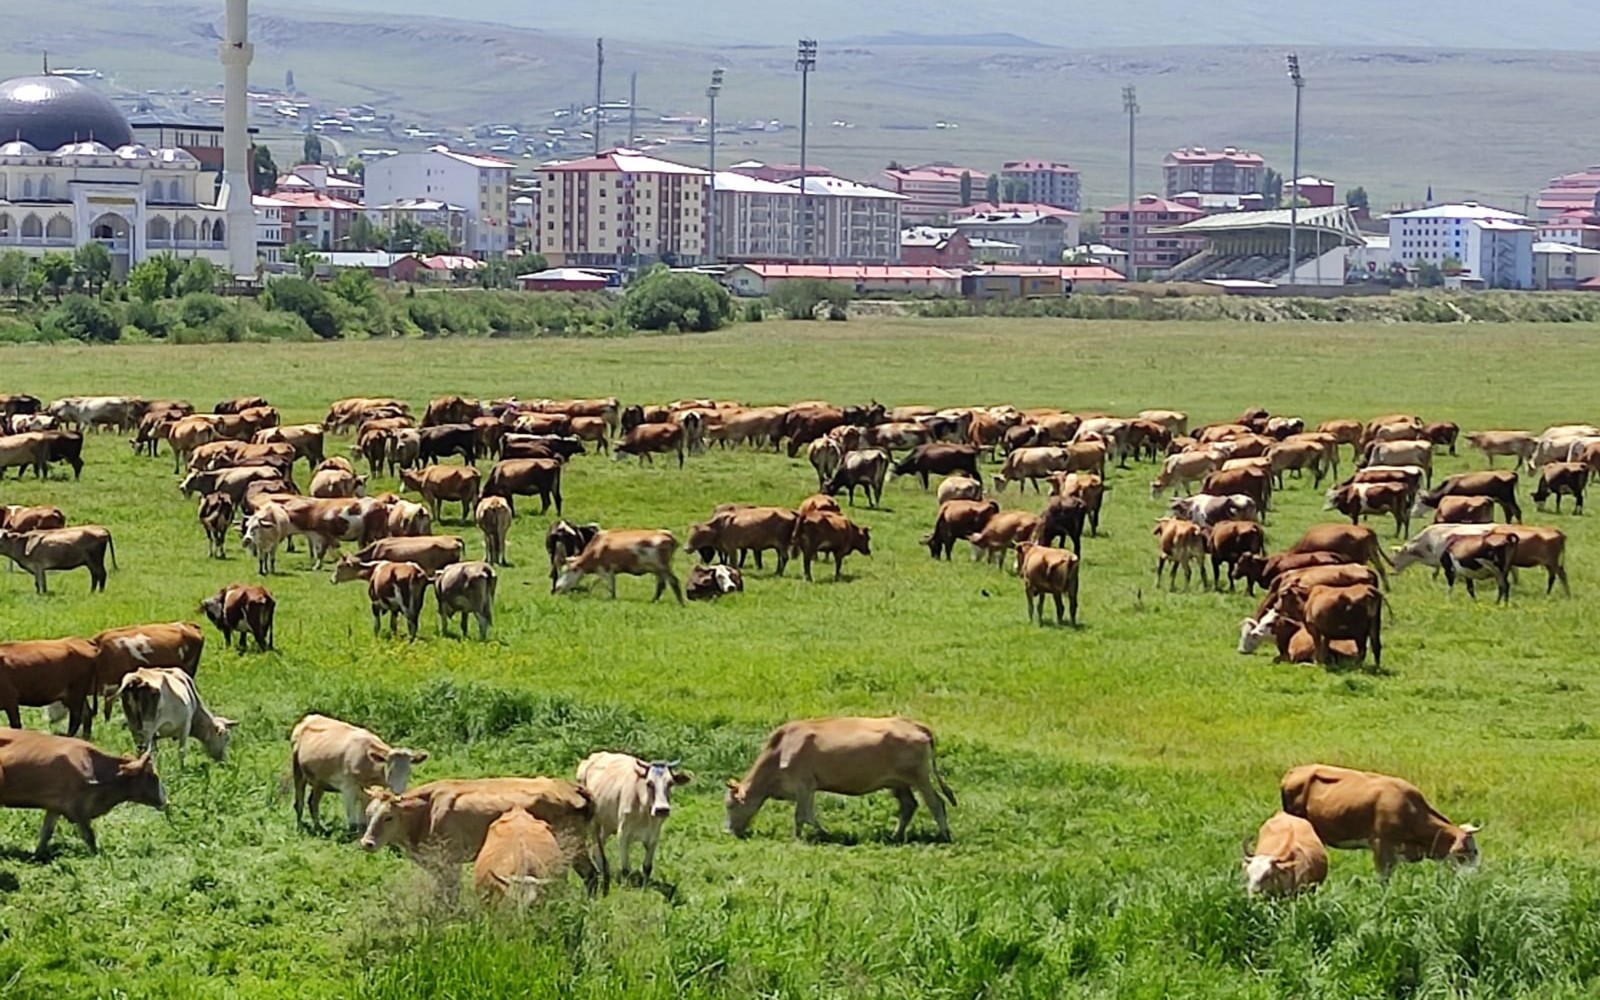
(49, 112)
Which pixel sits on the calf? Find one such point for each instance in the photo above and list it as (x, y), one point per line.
(833, 534)
(1228, 542)
(957, 519)
(40, 552)
(565, 540)
(520, 855)
(163, 702)
(647, 440)
(216, 516)
(1295, 644)
(1180, 543)
(71, 778)
(632, 800)
(327, 755)
(1480, 557)
(397, 588)
(1048, 571)
(864, 468)
(41, 672)
(439, 483)
(516, 477)
(633, 552)
(1001, 533)
(466, 589)
(493, 515)
(264, 531)
(1429, 544)
(709, 582)
(1354, 809)
(248, 610)
(1288, 858)
(1561, 478)
(1360, 499)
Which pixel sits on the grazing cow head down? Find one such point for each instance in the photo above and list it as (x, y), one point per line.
(1463, 849)
(1405, 555)
(383, 818)
(142, 783)
(397, 763)
(570, 575)
(347, 568)
(1265, 875)
(659, 777)
(217, 743)
(739, 808)
(1253, 632)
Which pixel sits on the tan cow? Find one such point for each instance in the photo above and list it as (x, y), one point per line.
(1002, 533)
(466, 589)
(519, 857)
(493, 515)
(330, 484)
(1183, 470)
(959, 487)
(40, 552)
(1049, 571)
(633, 552)
(397, 588)
(1518, 444)
(1288, 858)
(833, 534)
(733, 533)
(432, 552)
(438, 483)
(327, 755)
(1181, 543)
(72, 779)
(844, 756)
(1388, 815)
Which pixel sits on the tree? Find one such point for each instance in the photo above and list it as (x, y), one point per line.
(1428, 274)
(354, 285)
(1451, 265)
(1015, 189)
(306, 299)
(675, 300)
(800, 299)
(356, 167)
(894, 165)
(84, 318)
(92, 262)
(14, 268)
(311, 149)
(966, 189)
(363, 234)
(1356, 197)
(198, 276)
(991, 189)
(263, 171)
(57, 271)
(1272, 188)
(407, 234)
(434, 242)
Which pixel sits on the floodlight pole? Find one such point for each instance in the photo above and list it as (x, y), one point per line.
(1294, 180)
(804, 62)
(1130, 104)
(711, 206)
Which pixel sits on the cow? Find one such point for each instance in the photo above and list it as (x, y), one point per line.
(163, 702)
(1001, 533)
(514, 477)
(1442, 433)
(264, 531)
(520, 855)
(1356, 542)
(1330, 613)
(41, 672)
(865, 468)
(708, 582)
(40, 552)
(1360, 499)
(551, 424)
(824, 454)
(402, 449)
(1260, 570)
(1206, 510)
(1295, 644)
(23, 452)
(894, 436)
(246, 609)
(957, 519)
(1489, 556)
(395, 588)
(805, 423)
(607, 408)
(1418, 453)
(1254, 483)
(1392, 427)
(564, 540)
(843, 756)
(450, 410)
(327, 755)
(12, 404)
(332, 484)
(758, 426)
(938, 459)
(1561, 444)
(1175, 421)
(647, 440)
(466, 589)
(63, 446)
(1464, 510)
(376, 445)
(633, 552)
(1183, 470)
(188, 434)
(216, 516)
(14, 517)
(632, 800)
(1227, 542)
(431, 552)
(1428, 545)
(1499, 485)
(959, 488)
(228, 454)
(733, 533)
(1540, 548)
(154, 427)
(1561, 478)
(346, 414)
(1180, 543)
(1031, 464)
(239, 404)
(1045, 570)
(72, 778)
(440, 483)
(832, 534)
(1518, 444)
(1062, 519)
(1295, 454)
(440, 442)
(540, 446)
(233, 481)
(593, 430)
(493, 517)
(305, 439)
(1147, 440)
(120, 651)
(1355, 809)
(1288, 858)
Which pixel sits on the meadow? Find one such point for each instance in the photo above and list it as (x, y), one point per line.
(1106, 775)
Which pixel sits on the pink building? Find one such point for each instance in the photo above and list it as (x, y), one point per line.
(1230, 171)
(1049, 182)
(1569, 193)
(1149, 253)
(933, 190)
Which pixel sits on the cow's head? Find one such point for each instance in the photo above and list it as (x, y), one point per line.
(140, 782)
(11, 543)
(861, 540)
(383, 818)
(1463, 846)
(217, 743)
(397, 763)
(188, 485)
(570, 575)
(212, 607)
(347, 568)
(740, 809)
(1405, 555)
(658, 778)
(1254, 631)
(1334, 497)
(1265, 875)
(1248, 566)
(702, 539)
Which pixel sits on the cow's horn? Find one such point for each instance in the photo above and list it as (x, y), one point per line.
(674, 763)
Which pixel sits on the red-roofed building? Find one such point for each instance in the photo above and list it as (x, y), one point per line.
(934, 246)
(320, 220)
(621, 208)
(777, 173)
(1230, 171)
(1049, 182)
(1086, 273)
(761, 279)
(1569, 193)
(932, 190)
(1578, 229)
(1149, 253)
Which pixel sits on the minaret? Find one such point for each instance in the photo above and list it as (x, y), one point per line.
(234, 197)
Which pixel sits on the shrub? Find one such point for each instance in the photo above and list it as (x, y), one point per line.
(754, 313)
(305, 299)
(84, 318)
(144, 315)
(800, 299)
(200, 308)
(663, 299)
(198, 276)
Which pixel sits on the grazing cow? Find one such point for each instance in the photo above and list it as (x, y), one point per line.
(708, 582)
(1329, 613)
(632, 800)
(41, 672)
(264, 531)
(1561, 478)
(398, 588)
(957, 519)
(216, 516)
(1283, 427)
(72, 778)
(1356, 542)
(124, 650)
(1518, 444)
(1288, 858)
(648, 440)
(1295, 644)
(163, 702)
(594, 430)
(607, 408)
(757, 426)
(825, 454)
(327, 755)
(1442, 434)
(466, 589)
(733, 533)
(22, 452)
(514, 477)
(1109, 430)
(805, 422)
(1540, 548)
(1355, 809)
(1296, 454)
(1254, 483)
(1228, 542)
(230, 454)
(39, 552)
(1260, 570)
(1001, 533)
(1393, 427)
(865, 468)
(959, 488)
(1464, 510)
(305, 439)
(440, 442)
(1488, 556)
(832, 534)
(1063, 518)
(565, 540)
(633, 552)
(844, 756)
(519, 857)
(63, 446)
(21, 520)
(540, 446)
(1500, 486)
(1048, 571)
(938, 459)
(187, 435)
(558, 424)
(1206, 510)
(450, 410)
(818, 503)
(1180, 543)
(239, 404)
(1147, 439)
(1418, 453)
(248, 610)
(493, 516)
(333, 484)
(12, 404)
(1183, 470)
(440, 483)
(432, 552)
(1361, 499)
(1561, 444)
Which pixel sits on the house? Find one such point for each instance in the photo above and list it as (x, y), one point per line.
(1099, 253)
(935, 246)
(1129, 227)
(323, 179)
(762, 279)
(1230, 171)
(1493, 247)
(1315, 192)
(564, 279)
(1067, 274)
(318, 220)
(447, 267)
(480, 184)
(1563, 265)
(933, 191)
(621, 209)
(1048, 182)
(1042, 237)
(755, 219)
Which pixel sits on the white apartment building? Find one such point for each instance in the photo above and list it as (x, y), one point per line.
(1493, 246)
(479, 184)
(269, 227)
(833, 220)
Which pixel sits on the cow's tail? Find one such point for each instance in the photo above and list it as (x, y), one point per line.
(938, 776)
(1381, 556)
(111, 546)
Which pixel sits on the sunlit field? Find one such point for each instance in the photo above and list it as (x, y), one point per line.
(1106, 774)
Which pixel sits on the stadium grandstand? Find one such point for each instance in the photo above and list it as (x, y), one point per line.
(1254, 246)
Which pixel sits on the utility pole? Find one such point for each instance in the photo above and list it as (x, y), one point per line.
(599, 89)
(1294, 178)
(1130, 104)
(711, 205)
(633, 109)
(804, 62)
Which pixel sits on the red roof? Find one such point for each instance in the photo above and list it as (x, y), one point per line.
(1152, 203)
(1069, 272)
(451, 262)
(315, 199)
(935, 172)
(858, 272)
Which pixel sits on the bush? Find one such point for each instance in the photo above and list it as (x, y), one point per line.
(800, 299)
(145, 316)
(663, 299)
(200, 308)
(84, 318)
(198, 276)
(305, 299)
(754, 313)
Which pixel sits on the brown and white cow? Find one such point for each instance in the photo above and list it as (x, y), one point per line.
(120, 651)
(1358, 500)
(72, 779)
(634, 552)
(327, 755)
(1388, 815)
(164, 702)
(243, 608)
(395, 588)
(1184, 470)
(1489, 556)
(40, 552)
(1180, 543)
(465, 589)
(1288, 858)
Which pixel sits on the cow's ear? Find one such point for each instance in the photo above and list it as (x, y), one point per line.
(377, 756)
(1471, 828)
(733, 783)
(683, 778)
(419, 756)
(642, 767)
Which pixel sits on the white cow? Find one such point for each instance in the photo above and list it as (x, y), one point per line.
(264, 531)
(332, 756)
(632, 799)
(163, 702)
(1429, 544)
(1206, 510)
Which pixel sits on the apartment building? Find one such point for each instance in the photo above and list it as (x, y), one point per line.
(1494, 247)
(1129, 228)
(845, 221)
(621, 208)
(933, 190)
(755, 219)
(1228, 171)
(479, 184)
(1041, 238)
(1575, 192)
(1049, 182)
(316, 220)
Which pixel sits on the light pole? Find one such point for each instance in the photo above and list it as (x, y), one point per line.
(1294, 178)
(711, 206)
(1130, 104)
(805, 61)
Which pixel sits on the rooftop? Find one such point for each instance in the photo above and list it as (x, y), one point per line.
(838, 187)
(1199, 154)
(472, 159)
(1461, 210)
(314, 199)
(858, 272)
(985, 207)
(1567, 249)
(1032, 166)
(626, 161)
(727, 180)
(1009, 219)
(1153, 203)
(936, 172)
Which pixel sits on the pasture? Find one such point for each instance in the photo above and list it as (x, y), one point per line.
(1106, 775)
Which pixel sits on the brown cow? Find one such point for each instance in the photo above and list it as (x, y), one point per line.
(493, 515)
(431, 552)
(1500, 486)
(1360, 499)
(1180, 543)
(1330, 613)
(1557, 479)
(957, 519)
(1518, 444)
(1356, 542)
(1001, 533)
(803, 424)
(305, 439)
(732, 534)
(833, 534)
(1442, 432)
(450, 410)
(1488, 556)
(121, 651)
(397, 588)
(1354, 809)
(633, 552)
(516, 477)
(1229, 541)
(14, 517)
(1288, 858)
(1048, 571)
(818, 503)
(39, 552)
(519, 857)
(71, 778)
(41, 672)
(238, 404)
(1253, 482)
(245, 609)
(439, 483)
(938, 459)
(1260, 570)
(647, 440)
(1295, 644)
(1464, 510)
(1542, 548)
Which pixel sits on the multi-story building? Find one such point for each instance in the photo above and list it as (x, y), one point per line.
(429, 213)
(621, 208)
(933, 191)
(1049, 182)
(1577, 228)
(1041, 238)
(1492, 246)
(755, 219)
(316, 220)
(1150, 253)
(1231, 171)
(935, 246)
(269, 228)
(480, 184)
(1564, 265)
(323, 179)
(1569, 193)
(832, 220)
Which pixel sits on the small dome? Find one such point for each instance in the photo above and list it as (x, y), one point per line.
(54, 111)
(135, 151)
(17, 147)
(84, 149)
(175, 156)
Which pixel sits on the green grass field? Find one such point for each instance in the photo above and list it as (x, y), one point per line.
(1106, 775)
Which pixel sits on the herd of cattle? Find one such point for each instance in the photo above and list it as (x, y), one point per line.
(1323, 597)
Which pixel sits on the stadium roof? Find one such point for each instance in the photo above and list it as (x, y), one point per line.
(1335, 220)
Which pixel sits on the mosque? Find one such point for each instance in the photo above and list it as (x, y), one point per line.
(72, 170)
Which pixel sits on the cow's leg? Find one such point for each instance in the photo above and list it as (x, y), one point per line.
(39, 586)
(1384, 855)
(805, 811)
(935, 804)
(1060, 609)
(651, 838)
(908, 808)
(805, 562)
(47, 830)
(838, 565)
(611, 583)
(677, 590)
(624, 848)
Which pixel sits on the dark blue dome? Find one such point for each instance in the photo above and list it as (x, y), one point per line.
(49, 112)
